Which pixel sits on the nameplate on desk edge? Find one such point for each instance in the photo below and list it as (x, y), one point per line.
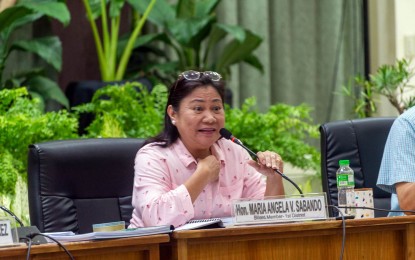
(310, 206)
(8, 234)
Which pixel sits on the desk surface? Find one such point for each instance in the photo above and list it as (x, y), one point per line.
(145, 247)
(377, 238)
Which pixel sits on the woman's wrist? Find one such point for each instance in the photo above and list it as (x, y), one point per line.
(274, 178)
(274, 185)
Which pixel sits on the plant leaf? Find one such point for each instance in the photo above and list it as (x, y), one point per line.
(195, 8)
(161, 13)
(216, 34)
(190, 32)
(48, 48)
(142, 40)
(14, 17)
(18, 79)
(53, 9)
(95, 6)
(236, 51)
(235, 31)
(186, 9)
(193, 32)
(11, 19)
(115, 7)
(48, 89)
(205, 7)
(254, 62)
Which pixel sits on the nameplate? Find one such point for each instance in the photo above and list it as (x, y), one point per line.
(280, 209)
(6, 235)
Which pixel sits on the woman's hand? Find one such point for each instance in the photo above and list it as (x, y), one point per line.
(210, 166)
(207, 171)
(267, 163)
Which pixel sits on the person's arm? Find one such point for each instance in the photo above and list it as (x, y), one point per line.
(157, 199)
(274, 186)
(406, 195)
(397, 171)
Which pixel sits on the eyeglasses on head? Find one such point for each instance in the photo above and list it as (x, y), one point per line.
(195, 75)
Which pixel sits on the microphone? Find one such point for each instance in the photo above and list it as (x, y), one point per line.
(228, 135)
(225, 133)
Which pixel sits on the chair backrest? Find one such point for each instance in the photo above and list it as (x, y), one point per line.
(73, 184)
(362, 142)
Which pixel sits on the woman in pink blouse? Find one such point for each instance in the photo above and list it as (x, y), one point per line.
(188, 171)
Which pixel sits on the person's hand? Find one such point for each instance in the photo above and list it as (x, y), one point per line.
(267, 163)
(207, 171)
(209, 166)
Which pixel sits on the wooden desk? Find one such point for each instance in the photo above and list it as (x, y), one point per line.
(378, 238)
(146, 247)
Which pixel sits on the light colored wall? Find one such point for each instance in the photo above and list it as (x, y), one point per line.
(392, 37)
(405, 28)
(405, 34)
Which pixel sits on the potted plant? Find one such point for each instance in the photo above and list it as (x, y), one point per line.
(23, 122)
(48, 48)
(112, 56)
(284, 128)
(122, 111)
(113, 50)
(191, 31)
(391, 81)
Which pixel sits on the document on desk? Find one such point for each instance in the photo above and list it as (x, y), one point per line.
(133, 232)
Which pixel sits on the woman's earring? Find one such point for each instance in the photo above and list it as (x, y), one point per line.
(173, 122)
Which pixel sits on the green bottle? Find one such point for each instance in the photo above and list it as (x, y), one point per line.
(345, 187)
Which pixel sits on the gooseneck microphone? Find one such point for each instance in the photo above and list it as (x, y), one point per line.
(228, 135)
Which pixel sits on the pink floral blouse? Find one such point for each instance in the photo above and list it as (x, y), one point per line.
(160, 198)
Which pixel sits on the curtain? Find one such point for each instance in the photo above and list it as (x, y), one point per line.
(310, 49)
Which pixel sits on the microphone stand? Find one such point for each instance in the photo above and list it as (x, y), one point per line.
(12, 214)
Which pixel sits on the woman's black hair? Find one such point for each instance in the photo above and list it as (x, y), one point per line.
(180, 89)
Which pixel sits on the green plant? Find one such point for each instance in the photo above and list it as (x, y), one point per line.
(22, 122)
(113, 67)
(283, 128)
(191, 32)
(122, 111)
(47, 48)
(391, 81)
(128, 110)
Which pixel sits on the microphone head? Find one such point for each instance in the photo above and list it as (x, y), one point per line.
(225, 133)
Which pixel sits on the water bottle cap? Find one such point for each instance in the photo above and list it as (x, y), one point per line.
(344, 162)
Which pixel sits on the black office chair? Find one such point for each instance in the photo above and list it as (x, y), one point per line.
(73, 184)
(362, 142)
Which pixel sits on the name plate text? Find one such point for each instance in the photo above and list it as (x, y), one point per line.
(279, 210)
(6, 237)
